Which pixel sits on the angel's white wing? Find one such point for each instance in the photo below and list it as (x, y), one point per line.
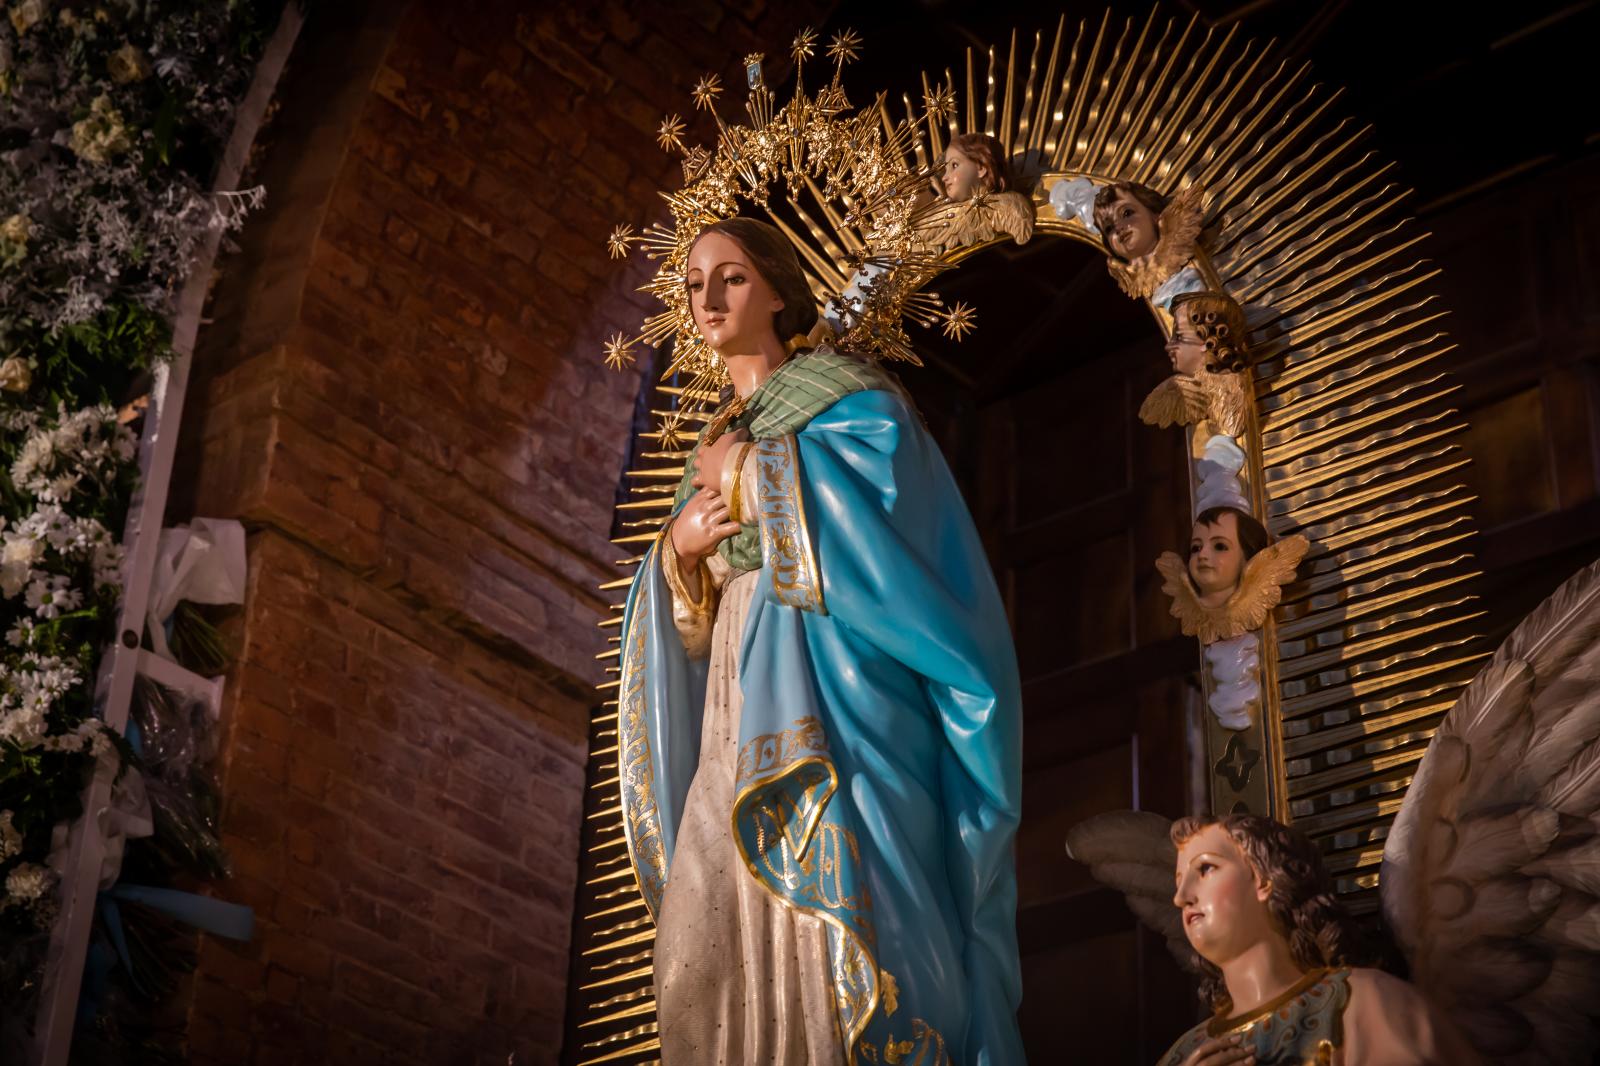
(1491, 873)
(1132, 852)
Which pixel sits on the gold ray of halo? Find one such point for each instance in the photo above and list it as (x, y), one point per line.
(1351, 434)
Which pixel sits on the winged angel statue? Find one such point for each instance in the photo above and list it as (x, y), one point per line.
(1490, 885)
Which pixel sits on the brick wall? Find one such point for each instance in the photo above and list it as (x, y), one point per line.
(400, 394)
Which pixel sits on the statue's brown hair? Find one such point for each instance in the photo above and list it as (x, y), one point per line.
(1301, 900)
(1252, 534)
(986, 152)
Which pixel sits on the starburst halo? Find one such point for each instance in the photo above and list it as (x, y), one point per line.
(960, 320)
(706, 91)
(804, 46)
(619, 351)
(856, 166)
(670, 135)
(617, 243)
(845, 47)
(939, 103)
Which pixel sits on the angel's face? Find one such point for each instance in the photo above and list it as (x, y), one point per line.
(733, 304)
(1134, 228)
(1216, 559)
(962, 177)
(1224, 903)
(1185, 348)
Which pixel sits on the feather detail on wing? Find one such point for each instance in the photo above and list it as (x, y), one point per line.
(1226, 405)
(1178, 230)
(1180, 400)
(1491, 873)
(1260, 589)
(1132, 852)
(982, 218)
(1186, 400)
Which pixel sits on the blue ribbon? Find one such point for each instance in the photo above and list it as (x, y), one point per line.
(215, 916)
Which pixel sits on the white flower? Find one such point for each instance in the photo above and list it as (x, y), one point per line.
(23, 726)
(60, 488)
(10, 839)
(21, 633)
(107, 563)
(50, 595)
(14, 577)
(27, 882)
(21, 548)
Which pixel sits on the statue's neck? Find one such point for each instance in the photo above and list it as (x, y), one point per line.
(1260, 974)
(749, 372)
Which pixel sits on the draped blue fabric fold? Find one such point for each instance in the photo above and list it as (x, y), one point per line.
(880, 739)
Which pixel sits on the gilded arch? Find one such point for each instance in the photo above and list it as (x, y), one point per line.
(1347, 440)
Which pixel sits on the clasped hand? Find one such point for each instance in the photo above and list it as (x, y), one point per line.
(703, 523)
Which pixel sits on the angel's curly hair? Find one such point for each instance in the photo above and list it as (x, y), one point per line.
(1219, 322)
(1302, 904)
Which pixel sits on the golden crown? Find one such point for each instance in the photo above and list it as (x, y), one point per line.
(848, 179)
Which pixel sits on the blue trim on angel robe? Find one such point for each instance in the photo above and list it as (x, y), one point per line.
(879, 783)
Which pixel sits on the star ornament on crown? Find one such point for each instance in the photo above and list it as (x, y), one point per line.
(846, 176)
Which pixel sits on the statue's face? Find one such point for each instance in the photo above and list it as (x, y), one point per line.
(1134, 227)
(963, 178)
(733, 304)
(1215, 559)
(1224, 904)
(1185, 348)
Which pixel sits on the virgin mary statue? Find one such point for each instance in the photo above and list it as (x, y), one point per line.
(819, 722)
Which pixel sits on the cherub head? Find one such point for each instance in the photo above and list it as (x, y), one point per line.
(1244, 879)
(1208, 332)
(974, 163)
(744, 282)
(1128, 216)
(1222, 541)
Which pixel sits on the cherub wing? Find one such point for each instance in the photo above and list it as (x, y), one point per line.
(1178, 401)
(1181, 221)
(1132, 852)
(1012, 213)
(1193, 616)
(1261, 584)
(1225, 406)
(1491, 873)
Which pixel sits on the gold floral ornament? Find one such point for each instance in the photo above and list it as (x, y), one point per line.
(812, 164)
(1260, 589)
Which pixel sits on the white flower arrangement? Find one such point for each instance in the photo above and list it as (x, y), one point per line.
(112, 120)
